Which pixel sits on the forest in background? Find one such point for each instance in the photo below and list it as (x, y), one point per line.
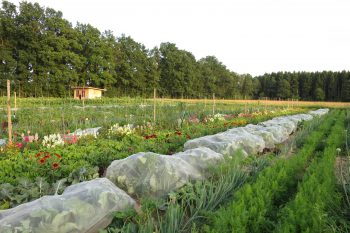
(44, 55)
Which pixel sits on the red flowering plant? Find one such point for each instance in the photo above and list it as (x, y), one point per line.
(29, 138)
(179, 138)
(178, 133)
(166, 142)
(47, 165)
(30, 141)
(150, 136)
(20, 145)
(70, 138)
(174, 140)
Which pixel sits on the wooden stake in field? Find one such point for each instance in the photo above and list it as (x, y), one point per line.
(154, 104)
(83, 99)
(15, 101)
(9, 120)
(213, 103)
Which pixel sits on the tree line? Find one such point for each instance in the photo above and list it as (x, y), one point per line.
(44, 55)
(319, 86)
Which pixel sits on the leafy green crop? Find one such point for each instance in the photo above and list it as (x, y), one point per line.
(81, 208)
(25, 190)
(252, 205)
(308, 211)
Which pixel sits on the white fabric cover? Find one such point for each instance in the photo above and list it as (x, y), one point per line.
(201, 158)
(89, 131)
(150, 174)
(268, 137)
(251, 143)
(221, 143)
(83, 207)
(319, 112)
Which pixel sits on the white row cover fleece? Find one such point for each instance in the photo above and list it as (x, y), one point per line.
(148, 174)
(83, 207)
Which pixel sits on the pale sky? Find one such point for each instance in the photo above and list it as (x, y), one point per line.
(248, 36)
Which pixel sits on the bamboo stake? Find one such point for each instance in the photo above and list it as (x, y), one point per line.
(154, 104)
(9, 112)
(15, 101)
(83, 97)
(213, 103)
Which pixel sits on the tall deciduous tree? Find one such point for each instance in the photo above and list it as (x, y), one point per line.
(44, 55)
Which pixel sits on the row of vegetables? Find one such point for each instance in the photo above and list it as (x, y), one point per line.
(271, 190)
(86, 207)
(153, 175)
(317, 193)
(34, 171)
(197, 207)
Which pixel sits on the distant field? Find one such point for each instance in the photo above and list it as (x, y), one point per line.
(269, 102)
(56, 115)
(61, 114)
(54, 102)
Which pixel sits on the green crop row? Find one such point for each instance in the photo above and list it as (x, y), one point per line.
(308, 212)
(251, 209)
(103, 150)
(343, 176)
(188, 208)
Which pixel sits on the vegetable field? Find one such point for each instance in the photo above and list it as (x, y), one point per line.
(57, 115)
(138, 165)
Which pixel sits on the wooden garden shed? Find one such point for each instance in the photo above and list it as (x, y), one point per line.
(87, 92)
